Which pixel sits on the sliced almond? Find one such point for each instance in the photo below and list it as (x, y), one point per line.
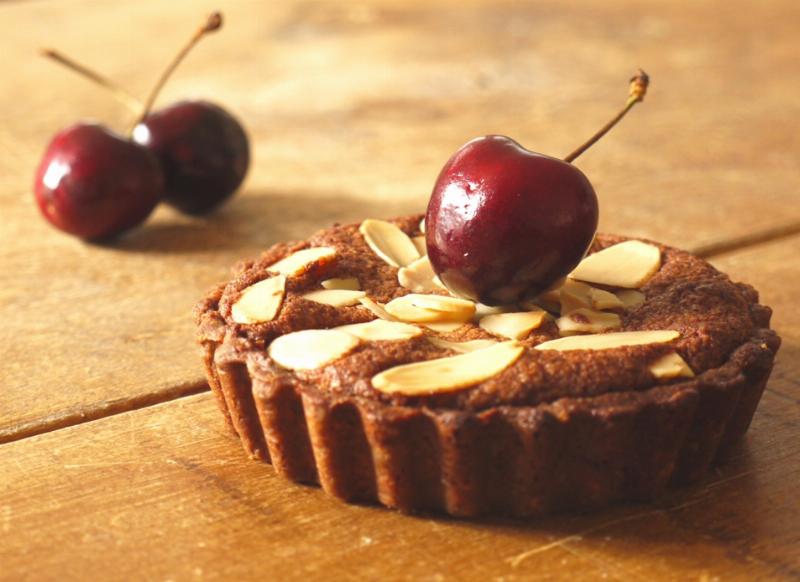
(380, 330)
(482, 310)
(513, 325)
(602, 299)
(448, 374)
(587, 321)
(297, 262)
(574, 295)
(630, 297)
(419, 308)
(349, 283)
(311, 348)
(376, 308)
(462, 347)
(604, 341)
(260, 302)
(418, 276)
(389, 242)
(422, 226)
(335, 297)
(628, 264)
(671, 365)
(419, 242)
(444, 326)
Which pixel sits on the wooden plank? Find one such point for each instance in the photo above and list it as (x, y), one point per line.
(352, 109)
(164, 493)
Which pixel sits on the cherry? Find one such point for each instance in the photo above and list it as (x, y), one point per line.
(203, 151)
(504, 223)
(94, 183)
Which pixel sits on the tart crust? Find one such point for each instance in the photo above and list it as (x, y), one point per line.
(474, 455)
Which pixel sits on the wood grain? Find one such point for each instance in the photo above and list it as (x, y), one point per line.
(352, 109)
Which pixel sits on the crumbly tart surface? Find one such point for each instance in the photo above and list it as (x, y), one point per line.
(537, 430)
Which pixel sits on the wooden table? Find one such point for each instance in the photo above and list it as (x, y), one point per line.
(115, 463)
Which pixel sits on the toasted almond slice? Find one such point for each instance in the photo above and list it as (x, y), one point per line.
(419, 308)
(444, 326)
(671, 366)
(380, 330)
(462, 347)
(601, 299)
(574, 295)
(513, 325)
(297, 262)
(482, 310)
(587, 321)
(418, 276)
(438, 282)
(260, 302)
(349, 283)
(389, 242)
(335, 297)
(311, 348)
(376, 308)
(448, 374)
(628, 264)
(604, 341)
(422, 226)
(419, 242)
(630, 297)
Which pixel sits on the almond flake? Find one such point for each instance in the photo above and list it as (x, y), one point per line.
(259, 302)
(310, 349)
(418, 276)
(513, 325)
(628, 264)
(574, 295)
(378, 309)
(297, 262)
(482, 310)
(604, 341)
(671, 366)
(422, 226)
(587, 321)
(601, 299)
(462, 347)
(380, 330)
(334, 297)
(444, 326)
(349, 283)
(630, 297)
(419, 242)
(389, 242)
(419, 308)
(450, 373)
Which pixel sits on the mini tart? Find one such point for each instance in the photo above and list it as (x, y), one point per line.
(552, 430)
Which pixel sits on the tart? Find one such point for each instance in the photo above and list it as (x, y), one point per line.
(343, 361)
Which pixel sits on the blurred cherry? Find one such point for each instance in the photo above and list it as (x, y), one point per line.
(203, 151)
(94, 183)
(505, 223)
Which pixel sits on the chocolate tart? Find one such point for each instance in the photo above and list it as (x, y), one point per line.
(552, 430)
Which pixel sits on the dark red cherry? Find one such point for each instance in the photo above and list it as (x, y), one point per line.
(203, 150)
(94, 183)
(504, 222)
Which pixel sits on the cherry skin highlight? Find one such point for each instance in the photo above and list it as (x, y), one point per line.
(203, 151)
(95, 184)
(504, 223)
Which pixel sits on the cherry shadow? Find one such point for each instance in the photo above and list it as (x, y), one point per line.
(255, 220)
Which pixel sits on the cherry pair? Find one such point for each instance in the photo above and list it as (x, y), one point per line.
(95, 183)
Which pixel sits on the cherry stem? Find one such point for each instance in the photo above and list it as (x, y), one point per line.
(212, 23)
(119, 93)
(638, 89)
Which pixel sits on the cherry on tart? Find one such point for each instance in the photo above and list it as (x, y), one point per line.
(94, 183)
(504, 223)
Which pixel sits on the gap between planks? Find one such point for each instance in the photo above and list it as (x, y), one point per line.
(105, 409)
